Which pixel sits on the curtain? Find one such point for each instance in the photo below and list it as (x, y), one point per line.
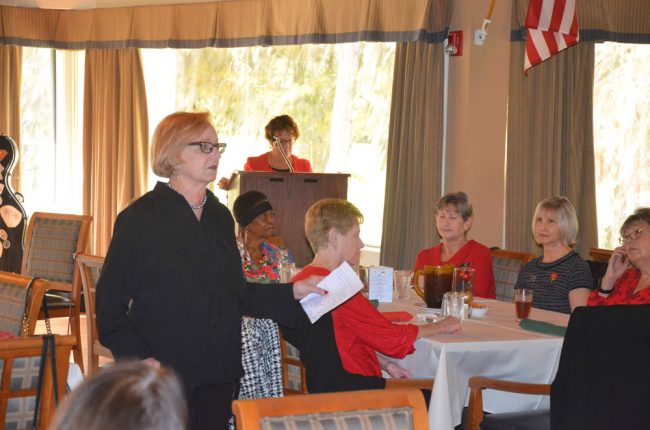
(115, 138)
(414, 159)
(550, 142)
(222, 24)
(414, 153)
(11, 62)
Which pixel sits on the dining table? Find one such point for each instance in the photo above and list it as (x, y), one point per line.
(493, 345)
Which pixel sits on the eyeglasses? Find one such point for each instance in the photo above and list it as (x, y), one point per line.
(631, 236)
(208, 147)
(278, 141)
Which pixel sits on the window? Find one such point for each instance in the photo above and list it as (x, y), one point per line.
(338, 94)
(51, 149)
(621, 135)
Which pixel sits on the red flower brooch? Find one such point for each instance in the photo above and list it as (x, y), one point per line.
(553, 276)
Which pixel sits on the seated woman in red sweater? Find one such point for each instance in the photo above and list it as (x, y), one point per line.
(281, 131)
(627, 278)
(453, 220)
(360, 331)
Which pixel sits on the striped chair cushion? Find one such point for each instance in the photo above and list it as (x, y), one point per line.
(52, 248)
(506, 271)
(24, 375)
(376, 419)
(12, 307)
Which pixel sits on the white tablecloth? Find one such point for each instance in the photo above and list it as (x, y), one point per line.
(493, 346)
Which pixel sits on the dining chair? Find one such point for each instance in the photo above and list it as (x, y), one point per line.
(90, 267)
(20, 303)
(506, 266)
(294, 378)
(365, 409)
(601, 381)
(20, 361)
(51, 243)
(600, 254)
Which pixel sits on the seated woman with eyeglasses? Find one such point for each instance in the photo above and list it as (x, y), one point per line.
(627, 278)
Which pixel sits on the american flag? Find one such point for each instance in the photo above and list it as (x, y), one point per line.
(552, 26)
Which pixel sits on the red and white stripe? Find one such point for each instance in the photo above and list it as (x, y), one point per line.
(552, 26)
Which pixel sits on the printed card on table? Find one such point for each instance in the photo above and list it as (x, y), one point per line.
(380, 284)
(341, 284)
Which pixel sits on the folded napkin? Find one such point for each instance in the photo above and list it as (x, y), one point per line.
(542, 327)
(398, 316)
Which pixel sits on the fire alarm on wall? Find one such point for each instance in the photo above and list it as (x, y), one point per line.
(454, 46)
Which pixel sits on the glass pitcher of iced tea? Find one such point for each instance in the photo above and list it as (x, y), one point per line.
(432, 282)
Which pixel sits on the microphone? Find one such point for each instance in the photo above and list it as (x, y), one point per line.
(284, 153)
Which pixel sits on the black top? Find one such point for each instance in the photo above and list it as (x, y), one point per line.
(319, 352)
(183, 278)
(552, 282)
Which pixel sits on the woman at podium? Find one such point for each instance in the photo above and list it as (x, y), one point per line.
(281, 132)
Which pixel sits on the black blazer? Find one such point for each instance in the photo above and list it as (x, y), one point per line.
(172, 288)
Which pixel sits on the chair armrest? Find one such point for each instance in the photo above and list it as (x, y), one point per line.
(478, 383)
(422, 384)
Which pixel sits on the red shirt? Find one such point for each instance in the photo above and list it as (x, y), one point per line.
(261, 164)
(623, 291)
(361, 331)
(478, 257)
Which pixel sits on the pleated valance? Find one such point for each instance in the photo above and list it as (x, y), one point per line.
(623, 21)
(233, 23)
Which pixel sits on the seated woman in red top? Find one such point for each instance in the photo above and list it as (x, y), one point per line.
(453, 221)
(360, 330)
(281, 132)
(627, 278)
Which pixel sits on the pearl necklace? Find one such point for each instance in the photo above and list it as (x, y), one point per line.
(199, 206)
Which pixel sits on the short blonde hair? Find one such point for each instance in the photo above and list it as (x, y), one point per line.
(327, 214)
(128, 395)
(566, 218)
(171, 136)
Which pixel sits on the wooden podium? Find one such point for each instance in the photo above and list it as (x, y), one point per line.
(291, 195)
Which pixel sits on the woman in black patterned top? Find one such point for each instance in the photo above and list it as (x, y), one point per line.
(561, 280)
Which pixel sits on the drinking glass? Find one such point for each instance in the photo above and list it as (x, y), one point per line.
(402, 283)
(463, 283)
(523, 302)
(453, 305)
(363, 276)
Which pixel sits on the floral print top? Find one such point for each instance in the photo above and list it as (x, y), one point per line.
(268, 270)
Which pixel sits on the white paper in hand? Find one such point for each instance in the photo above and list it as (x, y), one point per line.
(341, 284)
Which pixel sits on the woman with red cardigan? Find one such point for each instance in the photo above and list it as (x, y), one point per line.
(453, 220)
(357, 328)
(627, 278)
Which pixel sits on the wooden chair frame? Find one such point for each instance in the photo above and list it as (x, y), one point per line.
(87, 263)
(478, 383)
(31, 347)
(38, 288)
(600, 255)
(74, 288)
(524, 257)
(249, 412)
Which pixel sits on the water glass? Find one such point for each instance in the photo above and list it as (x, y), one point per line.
(523, 302)
(453, 304)
(402, 283)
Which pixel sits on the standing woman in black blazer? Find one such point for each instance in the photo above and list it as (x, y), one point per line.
(172, 289)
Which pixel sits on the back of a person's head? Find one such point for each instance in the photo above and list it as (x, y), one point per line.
(129, 395)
